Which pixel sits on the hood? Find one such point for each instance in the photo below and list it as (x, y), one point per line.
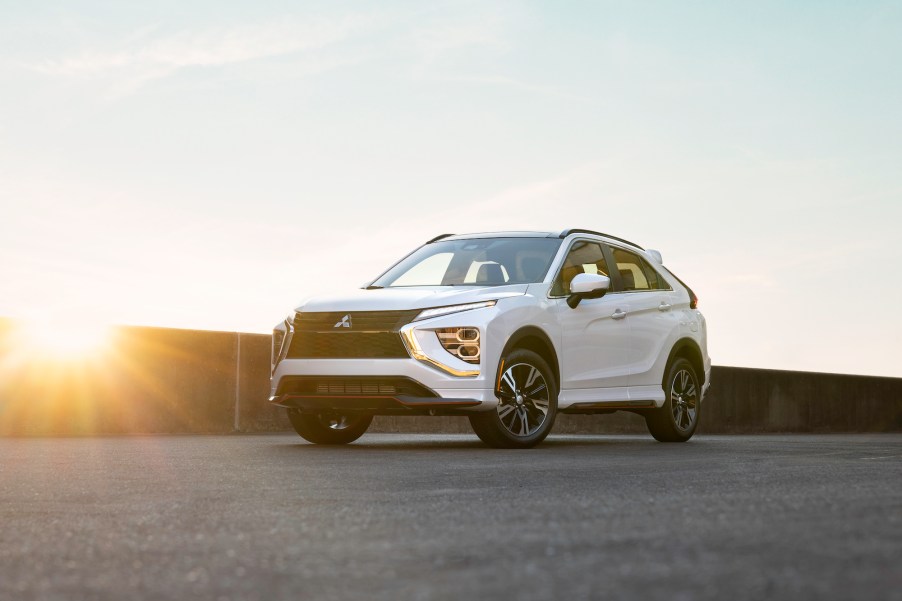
(419, 297)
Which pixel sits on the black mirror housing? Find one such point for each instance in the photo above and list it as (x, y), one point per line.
(576, 297)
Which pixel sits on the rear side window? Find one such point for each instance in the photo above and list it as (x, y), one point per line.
(636, 273)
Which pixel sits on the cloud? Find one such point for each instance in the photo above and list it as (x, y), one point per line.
(438, 45)
(444, 49)
(141, 57)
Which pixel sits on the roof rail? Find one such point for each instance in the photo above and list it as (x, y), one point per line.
(567, 232)
(437, 238)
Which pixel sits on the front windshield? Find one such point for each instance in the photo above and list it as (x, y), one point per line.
(474, 262)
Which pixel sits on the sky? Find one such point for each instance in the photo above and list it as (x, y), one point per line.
(210, 165)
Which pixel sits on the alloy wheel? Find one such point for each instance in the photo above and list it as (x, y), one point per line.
(523, 399)
(684, 400)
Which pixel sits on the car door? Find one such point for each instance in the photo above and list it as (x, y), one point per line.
(595, 335)
(651, 317)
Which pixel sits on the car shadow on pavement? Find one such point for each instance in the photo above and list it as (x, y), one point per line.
(432, 442)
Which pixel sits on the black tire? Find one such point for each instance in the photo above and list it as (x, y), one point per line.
(329, 427)
(524, 416)
(677, 419)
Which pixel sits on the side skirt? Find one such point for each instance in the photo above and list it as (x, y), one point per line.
(608, 400)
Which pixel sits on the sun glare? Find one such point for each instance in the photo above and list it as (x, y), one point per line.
(64, 339)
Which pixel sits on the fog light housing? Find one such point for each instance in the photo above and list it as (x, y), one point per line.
(463, 343)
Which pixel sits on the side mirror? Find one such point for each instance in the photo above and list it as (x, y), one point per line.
(587, 285)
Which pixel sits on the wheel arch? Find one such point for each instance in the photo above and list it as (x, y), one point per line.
(536, 340)
(688, 349)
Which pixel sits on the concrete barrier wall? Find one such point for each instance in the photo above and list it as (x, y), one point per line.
(763, 400)
(157, 380)
(149, 380)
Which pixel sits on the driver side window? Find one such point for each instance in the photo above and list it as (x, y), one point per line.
(584, 257)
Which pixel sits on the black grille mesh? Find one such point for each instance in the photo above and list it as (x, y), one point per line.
(351, 386)
(370, 335)
(361, 321)
(347, 345)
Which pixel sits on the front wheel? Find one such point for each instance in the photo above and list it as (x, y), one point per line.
(677, 419)
(527, 404)
(329, 427)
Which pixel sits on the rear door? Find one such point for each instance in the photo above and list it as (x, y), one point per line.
(651, 318)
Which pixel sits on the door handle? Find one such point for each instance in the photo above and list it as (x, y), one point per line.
(618, 314)
(664, 307)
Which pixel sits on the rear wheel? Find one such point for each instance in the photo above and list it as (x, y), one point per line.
(527, 404)
(677, 419)
(329, 427)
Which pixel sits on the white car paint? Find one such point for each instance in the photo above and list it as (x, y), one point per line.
(611, 350)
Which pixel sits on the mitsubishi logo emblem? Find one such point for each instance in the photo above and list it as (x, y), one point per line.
(344, 323)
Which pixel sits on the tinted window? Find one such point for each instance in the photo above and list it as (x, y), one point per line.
(584, 257)
(474, 262)
(636, 273)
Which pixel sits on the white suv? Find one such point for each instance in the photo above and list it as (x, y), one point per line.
(506, 328)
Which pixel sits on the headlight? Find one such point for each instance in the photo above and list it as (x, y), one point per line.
(439, 311)
(463, 343)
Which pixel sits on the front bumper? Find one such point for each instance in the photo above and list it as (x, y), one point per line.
(431, 392)
(444, 384)
(377, 405)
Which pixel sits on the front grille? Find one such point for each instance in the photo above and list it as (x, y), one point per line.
(347, 345)
(344, 388)
(369, 335)
(361, 321)
(353, 386)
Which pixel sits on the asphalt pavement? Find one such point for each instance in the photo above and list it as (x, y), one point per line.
(399, 517)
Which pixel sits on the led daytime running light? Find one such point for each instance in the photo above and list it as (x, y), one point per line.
(439, 311)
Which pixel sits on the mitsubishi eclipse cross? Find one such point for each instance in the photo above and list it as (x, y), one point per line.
(508, 329)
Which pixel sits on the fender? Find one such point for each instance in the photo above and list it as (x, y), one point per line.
(689, 348)
(537, 340)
